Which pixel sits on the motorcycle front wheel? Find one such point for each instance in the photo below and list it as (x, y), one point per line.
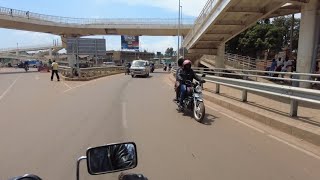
(199, 111)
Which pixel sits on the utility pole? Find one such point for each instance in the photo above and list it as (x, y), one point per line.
(182, 36)
(291, 33)
(178, 32)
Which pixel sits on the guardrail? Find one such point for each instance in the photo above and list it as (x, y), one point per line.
(89, 21)
(295, 94)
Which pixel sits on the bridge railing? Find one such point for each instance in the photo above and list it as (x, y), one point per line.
(27, 48)
(187, 22)
(204, 14)
(228, 77)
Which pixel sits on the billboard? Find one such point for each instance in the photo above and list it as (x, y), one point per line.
(130, 42)
(86, 46)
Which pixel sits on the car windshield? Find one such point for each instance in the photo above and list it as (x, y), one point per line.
(138, 63)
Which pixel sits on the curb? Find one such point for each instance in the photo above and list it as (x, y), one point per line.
(88, 78)
(304, 131)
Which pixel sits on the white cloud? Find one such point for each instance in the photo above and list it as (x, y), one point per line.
(26, 38)
(190, 7)
(155, 44)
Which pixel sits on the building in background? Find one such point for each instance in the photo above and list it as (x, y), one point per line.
(120, 57)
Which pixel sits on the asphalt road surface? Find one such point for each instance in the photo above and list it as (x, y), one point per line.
(45, 126)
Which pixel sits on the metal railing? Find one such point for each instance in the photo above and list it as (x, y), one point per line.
(295, 94)
(204, 14)
(186, 23)
(240, 62)
(29, 48)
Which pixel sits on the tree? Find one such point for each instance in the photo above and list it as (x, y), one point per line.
(265, 35)
(169, 52)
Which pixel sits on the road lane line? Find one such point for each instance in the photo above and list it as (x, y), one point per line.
(67, 85)
(124, 115)
(8, 89)
(269, 135)
(237, 120)
(294, 146)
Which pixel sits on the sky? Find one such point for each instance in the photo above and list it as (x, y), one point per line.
(99, 9)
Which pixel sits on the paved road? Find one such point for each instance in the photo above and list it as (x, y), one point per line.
(46, 126)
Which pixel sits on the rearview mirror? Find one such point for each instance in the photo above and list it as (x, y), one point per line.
(111, 158)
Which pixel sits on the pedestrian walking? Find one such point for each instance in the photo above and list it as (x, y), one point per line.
(55, 68)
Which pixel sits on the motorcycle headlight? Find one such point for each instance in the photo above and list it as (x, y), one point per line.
(198, 89)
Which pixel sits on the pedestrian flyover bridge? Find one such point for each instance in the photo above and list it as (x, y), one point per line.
(221, 20)
(76, 27)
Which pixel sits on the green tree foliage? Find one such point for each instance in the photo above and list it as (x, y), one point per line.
(169, 52)
(265, 35)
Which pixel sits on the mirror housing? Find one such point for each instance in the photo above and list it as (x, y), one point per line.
(112, 158)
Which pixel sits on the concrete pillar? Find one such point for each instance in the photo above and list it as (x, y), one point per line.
(307, 37)
(50, 54)
(219, 62)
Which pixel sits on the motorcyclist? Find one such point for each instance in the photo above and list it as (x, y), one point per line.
(26, 65)
(128, 66)
(186, 74)
(111, 158)
(177, 84)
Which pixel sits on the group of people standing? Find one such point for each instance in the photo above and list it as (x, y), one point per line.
(282, 66)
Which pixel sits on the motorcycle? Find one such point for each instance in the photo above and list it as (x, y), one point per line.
(169, 69)
(193, 100)
(165, 68)
(26, 68)
(105, 159)
(127, 72)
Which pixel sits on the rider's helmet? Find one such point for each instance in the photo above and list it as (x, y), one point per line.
(180, 61)
(186, 64)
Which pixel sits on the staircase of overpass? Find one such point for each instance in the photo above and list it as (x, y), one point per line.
(76, 27)
(221, 20)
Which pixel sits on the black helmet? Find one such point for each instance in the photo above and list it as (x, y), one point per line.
(180, 61)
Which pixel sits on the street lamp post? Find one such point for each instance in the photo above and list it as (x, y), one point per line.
(178, 32)
(182, 36)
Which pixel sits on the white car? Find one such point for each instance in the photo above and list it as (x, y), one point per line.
(140, 68)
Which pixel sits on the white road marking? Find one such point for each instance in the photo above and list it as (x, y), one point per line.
(67, 85)
(295, 147)
(269, 135)
(237, 120)
(124, 115)
(8, 89)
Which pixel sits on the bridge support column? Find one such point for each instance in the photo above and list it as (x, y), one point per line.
(219, 62)
(50, 53)
(307, 39)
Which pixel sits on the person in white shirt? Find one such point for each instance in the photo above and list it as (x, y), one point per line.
(286, 64)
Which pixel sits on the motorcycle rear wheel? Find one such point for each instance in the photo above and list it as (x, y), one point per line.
(199, 111)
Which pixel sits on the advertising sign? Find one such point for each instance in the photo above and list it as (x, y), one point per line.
(86, 46)
(130, 42)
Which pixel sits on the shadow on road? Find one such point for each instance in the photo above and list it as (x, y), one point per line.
(20, 72)
(208, 119)
(161, 72)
